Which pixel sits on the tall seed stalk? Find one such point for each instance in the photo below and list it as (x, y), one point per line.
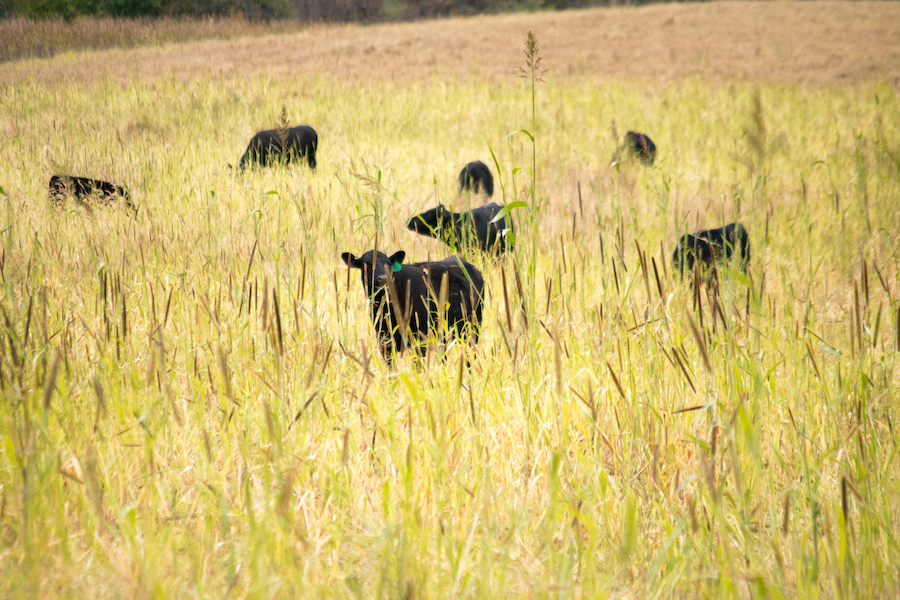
(284, 132)
(533, 72)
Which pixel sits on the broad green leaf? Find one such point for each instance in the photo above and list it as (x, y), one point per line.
(525, 131)
(506, 209)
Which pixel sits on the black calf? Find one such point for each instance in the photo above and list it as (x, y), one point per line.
(638, 145)
(711, 246)
(405, 297)
(265, 147)
(477, 178)
(464, 229)
(83, 190)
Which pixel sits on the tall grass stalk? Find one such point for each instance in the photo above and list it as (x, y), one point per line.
(533, 73)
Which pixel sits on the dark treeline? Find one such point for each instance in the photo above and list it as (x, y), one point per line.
(265, 10)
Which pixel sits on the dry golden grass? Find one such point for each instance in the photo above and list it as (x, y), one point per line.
(191, 401)
(807, 42)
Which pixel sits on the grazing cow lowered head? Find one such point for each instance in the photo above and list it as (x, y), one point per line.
(86, 192)
(637, 145)
(711, 246)
(406, 299)
(266, 147)
(460, 230)
(476, 178)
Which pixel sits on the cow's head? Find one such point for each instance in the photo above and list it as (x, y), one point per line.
(430, 222)
(685, 254)
(373, 264)
(692, 249)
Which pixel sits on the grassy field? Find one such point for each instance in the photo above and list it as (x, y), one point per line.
(193, 404)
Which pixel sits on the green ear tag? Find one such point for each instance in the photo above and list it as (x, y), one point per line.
(395, 267)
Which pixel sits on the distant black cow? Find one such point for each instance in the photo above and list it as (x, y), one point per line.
(86, 191)
(414, 289)
(265, 147)
(638, 145)
(464, 229)
(711, 246)
(476, 178)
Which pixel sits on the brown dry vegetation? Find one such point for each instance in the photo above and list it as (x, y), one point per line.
(787, 42)
(24, 38)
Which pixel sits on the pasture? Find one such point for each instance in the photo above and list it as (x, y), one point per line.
(193, 400)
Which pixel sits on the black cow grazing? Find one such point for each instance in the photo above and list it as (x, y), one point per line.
(476, 178)
(464, 229)
(711, 246)
(85, 191)
(414, 289)
(638, 145)
(265, 147)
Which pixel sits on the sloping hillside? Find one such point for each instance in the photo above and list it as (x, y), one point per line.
(815, 42)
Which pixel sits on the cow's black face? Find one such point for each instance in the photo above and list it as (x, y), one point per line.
(682, 258)
(373, 265)
(430, 222)
(690, 249)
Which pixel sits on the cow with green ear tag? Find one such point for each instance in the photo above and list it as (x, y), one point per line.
(412, 303)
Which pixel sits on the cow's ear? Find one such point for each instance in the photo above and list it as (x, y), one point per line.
(351, 260)
(397, 260)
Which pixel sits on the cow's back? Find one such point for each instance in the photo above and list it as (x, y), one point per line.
(410, 282)
(302, 142)
(729, 239)
(490, 234)
(465, 288)
(82, 188)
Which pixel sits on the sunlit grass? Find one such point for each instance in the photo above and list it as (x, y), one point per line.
(221, 423)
